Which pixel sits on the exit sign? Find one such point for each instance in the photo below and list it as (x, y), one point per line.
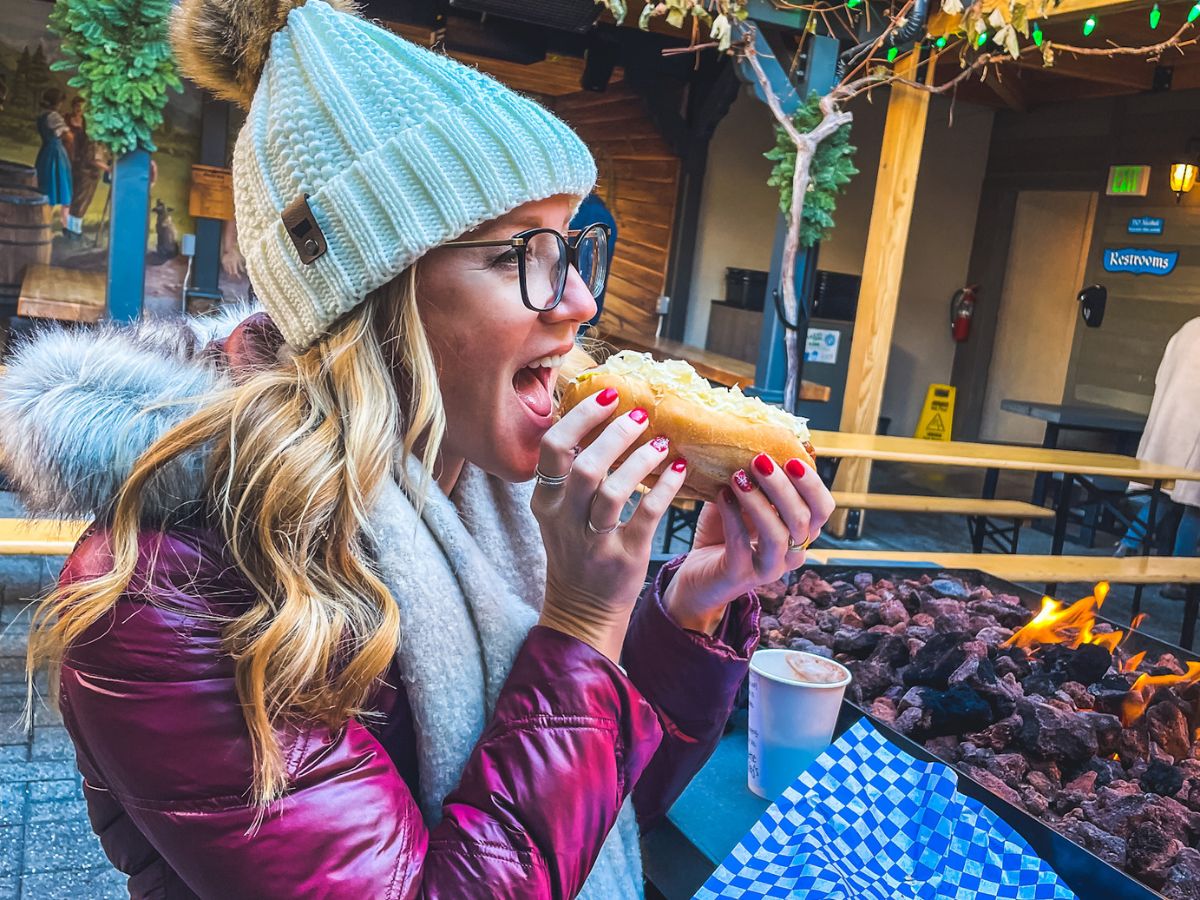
(1128, 181)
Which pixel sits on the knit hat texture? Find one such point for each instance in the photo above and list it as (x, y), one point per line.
(398, 150)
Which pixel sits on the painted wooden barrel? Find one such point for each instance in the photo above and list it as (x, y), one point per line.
(18, 174)
(25, 236)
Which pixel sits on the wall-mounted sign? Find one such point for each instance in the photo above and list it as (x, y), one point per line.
(822, 345)
(211, 196)
(1140, 262)
(1128, 181)
(1145, 225)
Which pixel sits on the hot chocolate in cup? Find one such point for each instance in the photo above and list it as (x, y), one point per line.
(794, 702)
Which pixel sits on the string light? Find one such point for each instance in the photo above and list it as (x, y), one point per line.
(1090, 25)
(851, 4)
(982, 39)
(940, 42)
(1037, 33)
(1155, 16)
(892, 54)
(1194, 12)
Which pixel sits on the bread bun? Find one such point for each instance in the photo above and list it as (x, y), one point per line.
(718, 430)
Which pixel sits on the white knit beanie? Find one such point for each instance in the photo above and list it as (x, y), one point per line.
(361, 151)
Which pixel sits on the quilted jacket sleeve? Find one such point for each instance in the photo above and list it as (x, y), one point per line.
(691, 680)
(151, 704)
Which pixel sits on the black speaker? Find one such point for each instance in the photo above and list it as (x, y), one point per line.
(559, 15)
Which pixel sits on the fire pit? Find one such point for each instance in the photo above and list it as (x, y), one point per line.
(1086, 739)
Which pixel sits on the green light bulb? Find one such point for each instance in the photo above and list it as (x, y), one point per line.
(1194, 13)
(1155, 16)
(851, 4)
(941, 42)
(893, 53)
(1090, 25)
(982, 39)
(1037, 34)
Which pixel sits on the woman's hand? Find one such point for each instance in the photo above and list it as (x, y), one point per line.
(755, 533)
(595, 567)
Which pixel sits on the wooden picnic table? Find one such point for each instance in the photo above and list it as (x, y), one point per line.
(995, 457)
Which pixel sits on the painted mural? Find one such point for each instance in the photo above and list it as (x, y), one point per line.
(42, 127)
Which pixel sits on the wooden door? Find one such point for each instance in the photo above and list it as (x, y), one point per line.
(1052, 234)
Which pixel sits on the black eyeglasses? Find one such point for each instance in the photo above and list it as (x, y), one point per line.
(543, 258)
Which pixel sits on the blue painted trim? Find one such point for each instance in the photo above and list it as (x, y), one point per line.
(128, 233)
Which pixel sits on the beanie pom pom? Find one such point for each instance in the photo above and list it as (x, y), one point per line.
(222, 45)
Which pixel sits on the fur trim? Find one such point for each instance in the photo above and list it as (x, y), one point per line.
(222, 45)
(82, 405)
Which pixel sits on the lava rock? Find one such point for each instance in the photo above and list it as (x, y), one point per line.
(993, 635)
(1078, 693)
(857, 644)
(1041, 683)
(993, 784)
(1150, 853)
(1088, 663)
(1004, 614)
(870, 679)
(999, 735)
(937, 660)
(949, 587)
(952, 712)
(1054, 734)
(1169, 727)
(892, 612)
(883, 709)
(1161, 778)
(1108, 847)
(891, 650)
(1183, 878)
(1108, 731)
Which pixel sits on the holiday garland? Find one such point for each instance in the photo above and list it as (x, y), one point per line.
(831, 170)
(122, 66)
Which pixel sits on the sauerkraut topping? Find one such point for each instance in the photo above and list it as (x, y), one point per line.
(677, 378)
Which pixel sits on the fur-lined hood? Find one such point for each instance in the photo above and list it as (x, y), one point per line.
(79, 407)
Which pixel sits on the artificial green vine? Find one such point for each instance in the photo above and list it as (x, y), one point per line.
(831, 170)
(122, 66)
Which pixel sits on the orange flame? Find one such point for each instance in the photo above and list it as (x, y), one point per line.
(1071, 626)
(1131, 664)
(1147, 685)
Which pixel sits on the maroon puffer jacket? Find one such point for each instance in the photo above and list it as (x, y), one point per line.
(148, 697)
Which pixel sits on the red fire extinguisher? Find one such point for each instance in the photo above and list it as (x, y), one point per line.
(962, 309)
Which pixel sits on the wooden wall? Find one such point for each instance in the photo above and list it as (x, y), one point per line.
(639, 182)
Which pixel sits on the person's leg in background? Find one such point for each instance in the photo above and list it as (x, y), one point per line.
(1131, 543)
(1187, 537)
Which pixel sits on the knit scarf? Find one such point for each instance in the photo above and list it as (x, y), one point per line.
(469, 575)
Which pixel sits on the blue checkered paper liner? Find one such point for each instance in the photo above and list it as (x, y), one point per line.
(866, 821)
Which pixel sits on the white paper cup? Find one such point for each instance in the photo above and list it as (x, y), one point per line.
(791, 720)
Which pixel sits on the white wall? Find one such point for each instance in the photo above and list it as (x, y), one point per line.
(953, 161)
(737, 209)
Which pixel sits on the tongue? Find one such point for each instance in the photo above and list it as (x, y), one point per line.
(532, 392)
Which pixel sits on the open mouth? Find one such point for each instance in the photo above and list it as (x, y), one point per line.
(532, 384)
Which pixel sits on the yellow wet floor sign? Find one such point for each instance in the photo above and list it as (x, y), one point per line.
(937, 416)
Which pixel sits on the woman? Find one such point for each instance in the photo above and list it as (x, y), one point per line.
(326, 638)
(53, 163)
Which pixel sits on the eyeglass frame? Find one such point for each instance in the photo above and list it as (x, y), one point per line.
(520, 243)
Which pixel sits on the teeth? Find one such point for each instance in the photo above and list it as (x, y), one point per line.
(549, 362)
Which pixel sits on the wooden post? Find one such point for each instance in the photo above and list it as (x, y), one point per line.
(887, 239)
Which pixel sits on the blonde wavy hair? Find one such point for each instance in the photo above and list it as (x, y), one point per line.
(294, 456)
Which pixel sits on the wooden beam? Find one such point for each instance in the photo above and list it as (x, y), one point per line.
(887, 239)
(1007, 87)
(1134, 74)
(940, 23)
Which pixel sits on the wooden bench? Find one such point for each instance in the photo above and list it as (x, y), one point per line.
(979, 511)
(1136, 570)
(39, 537)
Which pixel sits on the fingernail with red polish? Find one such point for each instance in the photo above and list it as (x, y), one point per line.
(742, 480)
(607, 397)
(795, 468)
(660, 444)
(763, 464)
(679, 465)
(639, 415)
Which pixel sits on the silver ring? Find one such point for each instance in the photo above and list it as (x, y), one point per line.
(594, 530)
(550, 480)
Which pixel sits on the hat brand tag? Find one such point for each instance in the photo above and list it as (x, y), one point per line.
(303, 229)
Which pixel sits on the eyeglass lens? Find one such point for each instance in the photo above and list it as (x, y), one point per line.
(546, 265)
